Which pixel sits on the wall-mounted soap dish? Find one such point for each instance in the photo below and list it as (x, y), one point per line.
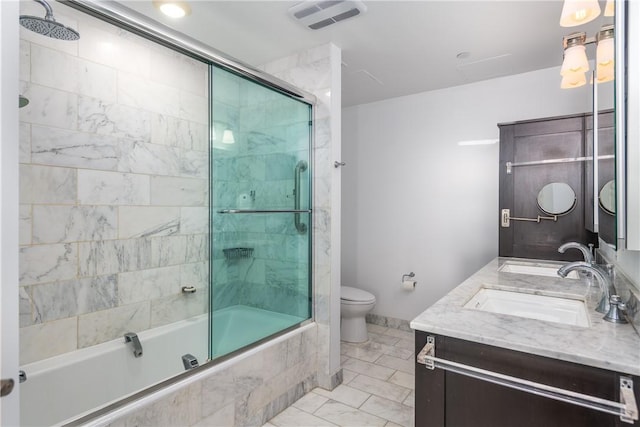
(237, 253)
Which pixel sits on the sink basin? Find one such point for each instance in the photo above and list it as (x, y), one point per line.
(535, 269)
(540, 307)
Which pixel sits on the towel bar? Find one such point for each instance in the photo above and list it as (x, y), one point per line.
(627, 409)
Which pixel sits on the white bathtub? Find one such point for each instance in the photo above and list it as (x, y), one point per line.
(62, 387)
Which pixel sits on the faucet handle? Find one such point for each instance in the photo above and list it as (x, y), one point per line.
(616, 310)
(610, 270)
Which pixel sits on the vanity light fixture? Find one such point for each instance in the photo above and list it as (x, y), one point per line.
(575, 62)
(575, 56)
(605, 54)
(578, 12)
(173, 9)
(610, 8)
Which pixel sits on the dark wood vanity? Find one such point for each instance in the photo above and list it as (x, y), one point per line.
(445, 398)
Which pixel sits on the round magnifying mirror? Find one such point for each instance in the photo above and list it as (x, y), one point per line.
(607, 197)
(556, 198)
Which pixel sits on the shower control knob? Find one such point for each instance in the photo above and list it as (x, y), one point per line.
(337, 164)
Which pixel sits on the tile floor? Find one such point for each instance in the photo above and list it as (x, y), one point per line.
(378, 386)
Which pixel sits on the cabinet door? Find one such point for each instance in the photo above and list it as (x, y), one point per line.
(538, 141)
(449, 399)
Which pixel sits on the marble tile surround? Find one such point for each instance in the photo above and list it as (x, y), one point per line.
(113, 186)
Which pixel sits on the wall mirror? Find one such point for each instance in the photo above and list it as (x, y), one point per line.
(556, 198)
(604, 122)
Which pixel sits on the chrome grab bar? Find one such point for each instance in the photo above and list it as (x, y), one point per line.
(300, 167)
(627, 409)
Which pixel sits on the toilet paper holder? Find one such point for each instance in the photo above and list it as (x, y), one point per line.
(411, 274)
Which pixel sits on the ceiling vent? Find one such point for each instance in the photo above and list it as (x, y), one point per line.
(319, 14)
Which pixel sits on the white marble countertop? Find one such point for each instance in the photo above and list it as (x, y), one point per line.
(603, 345)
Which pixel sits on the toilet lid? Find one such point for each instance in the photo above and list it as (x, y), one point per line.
(357, 295)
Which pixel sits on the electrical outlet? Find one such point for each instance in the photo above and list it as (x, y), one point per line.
(505, 216)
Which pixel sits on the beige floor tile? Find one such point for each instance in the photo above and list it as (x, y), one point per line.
(406, 344)
(389, 410)
(411, 399)
(383, 339)
(400, 334)
(344, 415)
(380, 388)
(401, 353)
(310, 402)
(397, 363)
(344, 394)
(294, 417)
(367, 352)
(348, 375)
(403, 379)
(376, 328)
(367, 368)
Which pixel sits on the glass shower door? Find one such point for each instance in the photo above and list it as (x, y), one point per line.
(260, 211)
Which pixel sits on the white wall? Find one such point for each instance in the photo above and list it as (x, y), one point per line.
(413, 200)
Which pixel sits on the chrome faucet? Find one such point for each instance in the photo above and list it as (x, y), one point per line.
(601, 275)
(587, 252)
(131, 337)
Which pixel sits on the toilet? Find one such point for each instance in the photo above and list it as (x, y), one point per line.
(354, 305)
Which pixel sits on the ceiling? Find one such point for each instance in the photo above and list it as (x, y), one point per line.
(397, 47)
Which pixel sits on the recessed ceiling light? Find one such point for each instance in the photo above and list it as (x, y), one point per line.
(173, 9)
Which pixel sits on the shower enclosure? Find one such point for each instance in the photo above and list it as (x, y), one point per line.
(165, 197)
(260, 211)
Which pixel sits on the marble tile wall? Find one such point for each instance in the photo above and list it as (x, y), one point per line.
(113, 186)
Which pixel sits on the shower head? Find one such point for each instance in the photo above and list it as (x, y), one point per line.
(48, 26)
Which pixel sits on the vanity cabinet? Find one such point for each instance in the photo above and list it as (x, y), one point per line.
(444, 398)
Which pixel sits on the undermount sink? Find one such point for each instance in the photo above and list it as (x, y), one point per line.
(540, 307)
(535, 269)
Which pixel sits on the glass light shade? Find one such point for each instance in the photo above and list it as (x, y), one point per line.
(573, 80)
(575, 60)
(605, 73)
(578, 12)
(228, 138)
(605, 52)
(610, 8)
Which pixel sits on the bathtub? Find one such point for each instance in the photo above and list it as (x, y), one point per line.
(60, 388)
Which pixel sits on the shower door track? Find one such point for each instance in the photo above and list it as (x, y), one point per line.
(260, 211)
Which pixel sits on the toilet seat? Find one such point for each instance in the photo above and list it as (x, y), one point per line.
(350, 295)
